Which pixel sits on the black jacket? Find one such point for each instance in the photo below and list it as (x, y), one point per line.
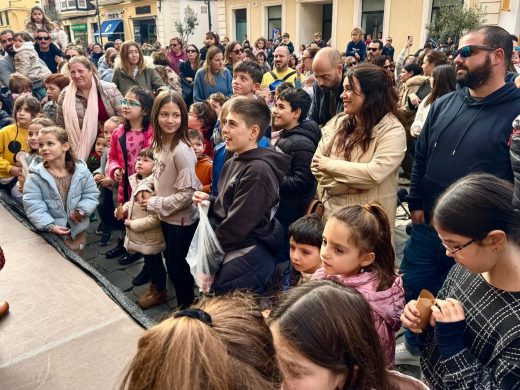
(462, 135)
(248, 197)
(5, 119)
(299, 185)
(48, 56)
(319, 111)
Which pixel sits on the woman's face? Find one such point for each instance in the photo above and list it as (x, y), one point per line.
(409, 60)
(427, 67)
(97, 49)
(81, 76)
(37, 16)
(236, 54)
(133, 55)
(217, 62)
(405, 75)
(71, 53)
(353, 97)
(191, 52)
(300, 373)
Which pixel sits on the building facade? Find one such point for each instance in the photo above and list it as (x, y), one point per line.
(335, 19)
(14, 13)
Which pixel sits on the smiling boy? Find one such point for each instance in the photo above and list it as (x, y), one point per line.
(247, 76)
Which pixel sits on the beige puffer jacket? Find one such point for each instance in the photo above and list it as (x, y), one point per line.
(144, 235)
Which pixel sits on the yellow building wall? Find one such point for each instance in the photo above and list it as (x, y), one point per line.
(129, 14)
(405, 20)
(18, 12)
(344, 24)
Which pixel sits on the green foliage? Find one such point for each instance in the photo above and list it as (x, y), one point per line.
(454, 20)
(51, 11)
(188, 25)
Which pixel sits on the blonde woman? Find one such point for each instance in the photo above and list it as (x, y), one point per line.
(132, 71)
(213, 77)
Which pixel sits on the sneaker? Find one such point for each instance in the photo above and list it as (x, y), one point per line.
(143, 277)
(404, 357)
(129, 258)
(105, 239)
(116, 251)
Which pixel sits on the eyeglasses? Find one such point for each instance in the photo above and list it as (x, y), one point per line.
(237, 51)
(129, 103)
(516, 48)
(468, 51)
(373, 48)
(458, 247)
(352, 63)
(389, 66)
(68, 57)
(174, 44)
(191, 51)
(43, 38)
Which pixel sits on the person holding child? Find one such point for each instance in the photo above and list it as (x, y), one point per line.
(60, 193)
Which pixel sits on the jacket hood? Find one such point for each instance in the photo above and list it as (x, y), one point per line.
(416, 80)
(25, 46)
(279, 162)
(204, 158)
(308, 128)
(506, 94)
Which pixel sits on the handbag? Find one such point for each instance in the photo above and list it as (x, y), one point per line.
(315, 207)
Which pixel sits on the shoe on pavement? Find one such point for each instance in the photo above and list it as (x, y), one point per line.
(129, 258)
(404, 357)
(105, 239)
(143, 277)
(117, 251)
(152, 298)
(4, 308)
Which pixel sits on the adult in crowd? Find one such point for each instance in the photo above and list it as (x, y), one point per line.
(134, 71)
(259, 45)
(430, 61)
(233, 55)
(48, 51)
(361, 149)
(328, 71)
(106, 64)
(188, 69)
(212, 39)
(388, 49)
(176, 54)
(212, 77)
(261, 56)
(281, 69)
(117, 44)
(70, 52)
(404, 58)
(85, 105)
(466, 131)
(385, 62)
(374, 50)
(318, 41)
(96, 54)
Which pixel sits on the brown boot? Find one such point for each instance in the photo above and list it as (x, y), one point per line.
(4, 309)
(153, 298)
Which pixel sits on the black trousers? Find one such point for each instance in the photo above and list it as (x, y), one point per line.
(106, 211)
(155, 266)
(178, 240)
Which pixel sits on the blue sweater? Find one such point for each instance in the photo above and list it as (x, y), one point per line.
(358, 47)
(202, 90)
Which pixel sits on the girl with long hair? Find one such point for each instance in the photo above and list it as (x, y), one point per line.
(212, 39)
(233, 54)
(37, 20)
(212, 77)
(202, 117)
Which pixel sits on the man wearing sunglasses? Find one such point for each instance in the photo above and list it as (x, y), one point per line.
(374, 50)
(48, 51)
(466, 131)
(176, 54)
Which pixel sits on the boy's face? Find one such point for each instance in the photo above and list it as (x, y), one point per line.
(197, 146)
(243, 84)
(238, 137)
(144, 166)
(18, 42)
(108, 129)
(304, 257)
(355, 36)
(283, 115)
(53, 91)
(101, 144)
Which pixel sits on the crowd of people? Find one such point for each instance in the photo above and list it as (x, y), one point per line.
(298, 157)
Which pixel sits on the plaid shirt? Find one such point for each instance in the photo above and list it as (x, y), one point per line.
(491, 357)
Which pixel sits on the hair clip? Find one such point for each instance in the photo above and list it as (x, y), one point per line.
(198, 314)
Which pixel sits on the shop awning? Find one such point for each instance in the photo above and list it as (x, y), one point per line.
(108, 27)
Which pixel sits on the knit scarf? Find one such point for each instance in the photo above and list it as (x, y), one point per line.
(82, 139)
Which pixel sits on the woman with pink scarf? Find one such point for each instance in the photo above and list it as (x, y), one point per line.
(85, 104)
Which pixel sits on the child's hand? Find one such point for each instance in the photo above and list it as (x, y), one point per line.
(76, 216)
(142, 198)
(128, 222)
(411, 317)
(449, 310)
(200, 197)
(60, 230)
(106, 182)
(118, 174)
(98, 177)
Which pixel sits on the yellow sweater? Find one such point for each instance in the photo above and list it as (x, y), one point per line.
(8, 134)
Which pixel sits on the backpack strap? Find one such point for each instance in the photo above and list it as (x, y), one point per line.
(288, 75)
(273, 75)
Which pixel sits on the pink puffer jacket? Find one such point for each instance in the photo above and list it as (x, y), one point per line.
(116, 159)
(387, 306)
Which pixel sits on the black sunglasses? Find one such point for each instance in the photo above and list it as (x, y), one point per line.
(191, 51)
(43, 38)
(237, 51)
(373, 48)
(468, 51)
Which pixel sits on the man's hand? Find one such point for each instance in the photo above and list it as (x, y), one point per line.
(417, 217)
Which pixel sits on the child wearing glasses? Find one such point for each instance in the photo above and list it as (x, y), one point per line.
(27, 62)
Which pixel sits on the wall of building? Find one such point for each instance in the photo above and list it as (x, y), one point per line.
(17, 12)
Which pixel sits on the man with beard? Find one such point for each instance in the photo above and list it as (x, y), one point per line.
(328, 72)
(281, 69)
(374, 50)
(466, 131)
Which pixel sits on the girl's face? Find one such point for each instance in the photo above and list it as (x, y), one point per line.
(339, 256)
(210, 41)
(23, 116)
(216, 106)
(32, 139)
(133, 55)
(193, 119)
(353, 97)
(283, 115)
(144, 166)
(169, 119)
(217, 62)
(53, 91)
(18, 42)
(51, 149)
(427, 67)
(81, 76)
(108, 129)
(260, 45)
(299, 372)
(37, 16)
(131, 107)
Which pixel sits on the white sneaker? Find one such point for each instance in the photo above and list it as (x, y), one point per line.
(404, 357)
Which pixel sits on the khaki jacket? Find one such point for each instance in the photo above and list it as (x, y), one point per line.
(410, 86)
(144, 235)
(371, 176)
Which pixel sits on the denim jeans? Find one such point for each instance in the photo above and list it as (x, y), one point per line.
(425, 265)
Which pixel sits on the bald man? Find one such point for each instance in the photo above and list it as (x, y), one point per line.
(328, 71)
(281, 69)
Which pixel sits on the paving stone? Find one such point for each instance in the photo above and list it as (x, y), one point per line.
(109, 264)
(158, 313)
(121, 280)
(91, 252)
(134, 269)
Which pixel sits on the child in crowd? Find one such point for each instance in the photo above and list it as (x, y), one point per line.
(216, 100)
(228, 339)
(94, 159)
(299, 139)
(134, 134)
(39, 21)
(203, 117)
(247, 200)
(356, 47)
(13, 140)
(204, 164)
(247, 76)
(20, 85)
(107, 187)
(144, 235)
(325, 338)
(60, 193)
(473, 341)
(174, 182)
(54, 84)
(27, 62)
(357, 252)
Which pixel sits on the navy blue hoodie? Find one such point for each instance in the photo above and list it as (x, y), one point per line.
(462, 135)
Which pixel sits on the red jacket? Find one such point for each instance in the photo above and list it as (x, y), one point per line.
(116, 159)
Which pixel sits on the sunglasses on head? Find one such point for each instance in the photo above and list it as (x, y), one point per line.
(468, 51)
(373, 48)
(42, 38)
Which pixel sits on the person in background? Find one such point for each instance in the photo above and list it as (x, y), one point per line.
(204, 166)
(259, 45)
(212, 39)
(318, 41)
(176, 54)
(117, 44)
(261, 56)
(188, 70)
(55, 83)
(388, 49)
(96, 54)
(202, 117)
(216, 101)
(374, 50)
(212, 77)
(70, 52)
(225, 40)
(233, 55)
(404, 58)
(107, 72)
(39, 21)
(48, 51)
(356, 47)
(286, 41)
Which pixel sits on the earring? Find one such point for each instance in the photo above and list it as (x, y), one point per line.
(362, 270)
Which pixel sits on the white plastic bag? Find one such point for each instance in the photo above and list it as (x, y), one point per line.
(205, 254)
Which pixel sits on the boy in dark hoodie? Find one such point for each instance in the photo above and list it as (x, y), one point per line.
(299, 139)
(248, 196)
